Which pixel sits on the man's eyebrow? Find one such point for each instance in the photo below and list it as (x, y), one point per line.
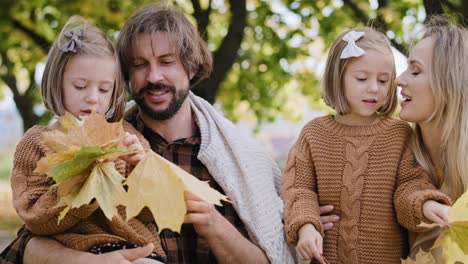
(167, 55)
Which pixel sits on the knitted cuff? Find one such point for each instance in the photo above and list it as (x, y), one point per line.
(292, 229)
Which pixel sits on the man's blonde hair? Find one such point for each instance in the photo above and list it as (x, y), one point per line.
(449, 85)
(333, 92)
(94, 43)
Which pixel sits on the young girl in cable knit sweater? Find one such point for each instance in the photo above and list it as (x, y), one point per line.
(82, 75)
(359, 160)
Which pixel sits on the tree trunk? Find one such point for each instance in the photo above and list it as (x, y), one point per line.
(25, 106)
(225, 56)
(464, 13)
(433, 7)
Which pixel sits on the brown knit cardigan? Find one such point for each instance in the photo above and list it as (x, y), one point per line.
(34, 199)
(371, 177)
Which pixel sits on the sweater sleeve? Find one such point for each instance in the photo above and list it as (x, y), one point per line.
(413, 189)
(298, 191)
(34, 195)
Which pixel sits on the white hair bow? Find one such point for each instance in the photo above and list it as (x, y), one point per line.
(351, 49)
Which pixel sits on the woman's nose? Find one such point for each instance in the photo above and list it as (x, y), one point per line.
(400, 81)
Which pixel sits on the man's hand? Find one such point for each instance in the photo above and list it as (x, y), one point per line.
(203, 215)
(46, 250)
(326, 219)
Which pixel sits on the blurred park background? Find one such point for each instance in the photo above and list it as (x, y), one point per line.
(268, 58)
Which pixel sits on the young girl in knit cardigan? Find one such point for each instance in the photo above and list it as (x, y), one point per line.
(359, 160)
(81, 75)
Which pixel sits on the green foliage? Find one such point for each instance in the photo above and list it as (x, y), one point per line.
(277, 66)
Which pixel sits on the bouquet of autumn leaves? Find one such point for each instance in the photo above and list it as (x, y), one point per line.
(79, 166)
(453, 240)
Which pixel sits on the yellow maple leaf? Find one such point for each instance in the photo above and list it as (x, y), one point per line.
(92, 130)
(70, 185)
(199, 188)
(451, 252)
(453, 240)
(103, 184)
(77, 149)
(422, 257)
(45, 164)
(159, 184)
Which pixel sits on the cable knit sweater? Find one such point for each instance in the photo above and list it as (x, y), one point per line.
(369, 174)
(35, 198)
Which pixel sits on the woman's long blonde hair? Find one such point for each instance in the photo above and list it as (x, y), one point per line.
(449, 84)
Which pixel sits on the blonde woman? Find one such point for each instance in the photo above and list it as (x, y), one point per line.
(435, 98)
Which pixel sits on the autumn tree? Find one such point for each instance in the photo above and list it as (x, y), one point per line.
(266, 53)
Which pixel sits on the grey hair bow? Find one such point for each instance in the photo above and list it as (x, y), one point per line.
(73, 40)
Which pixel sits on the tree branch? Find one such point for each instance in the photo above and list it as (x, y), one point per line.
(381, 24)
(9, 78)
(361, 15)
(202, 17)
(43, 43)
(32, 83)
(433, 7)
(226, 54)
(464, 11)
(461, 12)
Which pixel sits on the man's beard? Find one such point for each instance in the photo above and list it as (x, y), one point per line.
(174, 106)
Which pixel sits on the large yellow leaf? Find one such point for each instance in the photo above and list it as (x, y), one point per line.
(160, 185)
(192, 184)
(162, 194)
(105, 185)
(451, 251)
(453, 239)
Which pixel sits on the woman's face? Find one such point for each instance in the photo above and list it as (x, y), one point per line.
(418, 100)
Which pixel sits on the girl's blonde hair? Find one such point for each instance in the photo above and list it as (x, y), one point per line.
(449, 85)
(93, 42)
(333, 79)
